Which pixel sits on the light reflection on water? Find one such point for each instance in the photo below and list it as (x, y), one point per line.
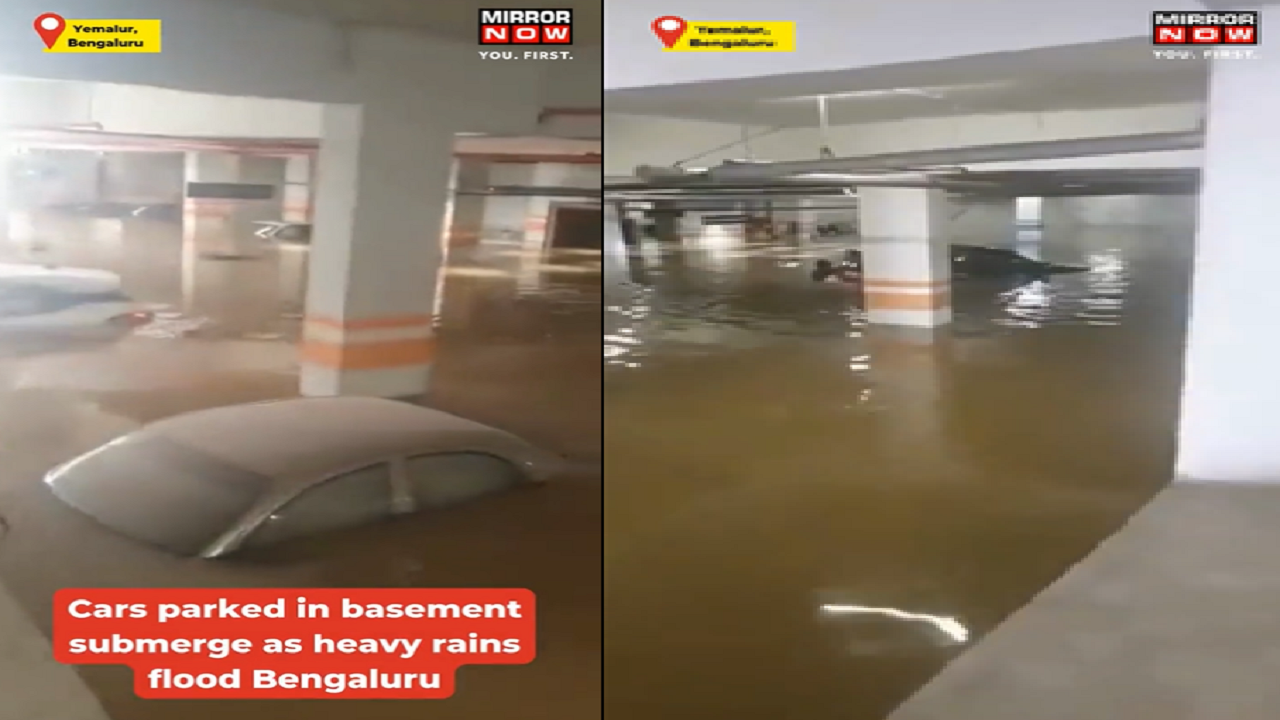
(764, 444)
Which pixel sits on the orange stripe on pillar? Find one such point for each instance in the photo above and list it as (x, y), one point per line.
(369, 356)
(368, 343)
(906, 294)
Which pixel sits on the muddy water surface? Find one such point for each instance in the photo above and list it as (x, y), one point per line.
(806, 517)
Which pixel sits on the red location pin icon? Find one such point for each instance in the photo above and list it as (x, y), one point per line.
(49, 27)
(669, 30)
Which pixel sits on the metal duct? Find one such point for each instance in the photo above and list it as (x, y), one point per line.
(1008, 152)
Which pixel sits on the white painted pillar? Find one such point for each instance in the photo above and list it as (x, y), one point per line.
(1230, 400)
(208, 223)
(907, 273)
(376, 252)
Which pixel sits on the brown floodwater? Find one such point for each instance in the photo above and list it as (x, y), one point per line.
(519, 343)
(807, 517)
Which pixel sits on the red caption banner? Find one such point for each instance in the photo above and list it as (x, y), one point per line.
(294, 643)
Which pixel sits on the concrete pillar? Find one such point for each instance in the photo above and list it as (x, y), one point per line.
(907, 278)
(227, 225)
(208, 223)
(376, 252)
(1230, 399)
(296, 199)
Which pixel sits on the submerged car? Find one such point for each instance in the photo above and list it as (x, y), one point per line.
(212, 482)
(47, 302)
(967, 261)
(979, 261)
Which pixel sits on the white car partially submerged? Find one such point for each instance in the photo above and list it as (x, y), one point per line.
(46, 302)
(212, 482)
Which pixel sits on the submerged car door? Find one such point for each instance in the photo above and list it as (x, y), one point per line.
(443, 480)
(350, 500)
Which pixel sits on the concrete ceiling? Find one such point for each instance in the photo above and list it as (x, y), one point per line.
(455, 19)
(1083, 77)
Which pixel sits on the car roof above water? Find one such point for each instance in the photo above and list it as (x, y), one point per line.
(297, 441)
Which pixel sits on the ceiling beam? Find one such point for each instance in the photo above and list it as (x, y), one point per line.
(553, 112)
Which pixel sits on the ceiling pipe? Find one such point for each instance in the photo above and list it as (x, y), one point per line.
(1007, 152)
(95, 141)
(818, 184)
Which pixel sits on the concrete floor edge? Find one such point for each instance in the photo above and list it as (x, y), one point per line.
(1172, 616)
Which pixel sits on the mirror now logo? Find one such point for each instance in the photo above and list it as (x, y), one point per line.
(553, 26)
(1206, 28)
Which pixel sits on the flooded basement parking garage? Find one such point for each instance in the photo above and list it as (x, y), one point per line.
(807, 516)
(519, 343)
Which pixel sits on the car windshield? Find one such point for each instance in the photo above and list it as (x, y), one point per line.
(158, 491)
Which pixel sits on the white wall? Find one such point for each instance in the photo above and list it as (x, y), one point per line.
(1229, 422)
(157, 111)
(632, 140)
(842, 34)
(578, 83)
(1173, 211)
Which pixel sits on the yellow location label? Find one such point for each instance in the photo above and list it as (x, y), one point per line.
(61, 35)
